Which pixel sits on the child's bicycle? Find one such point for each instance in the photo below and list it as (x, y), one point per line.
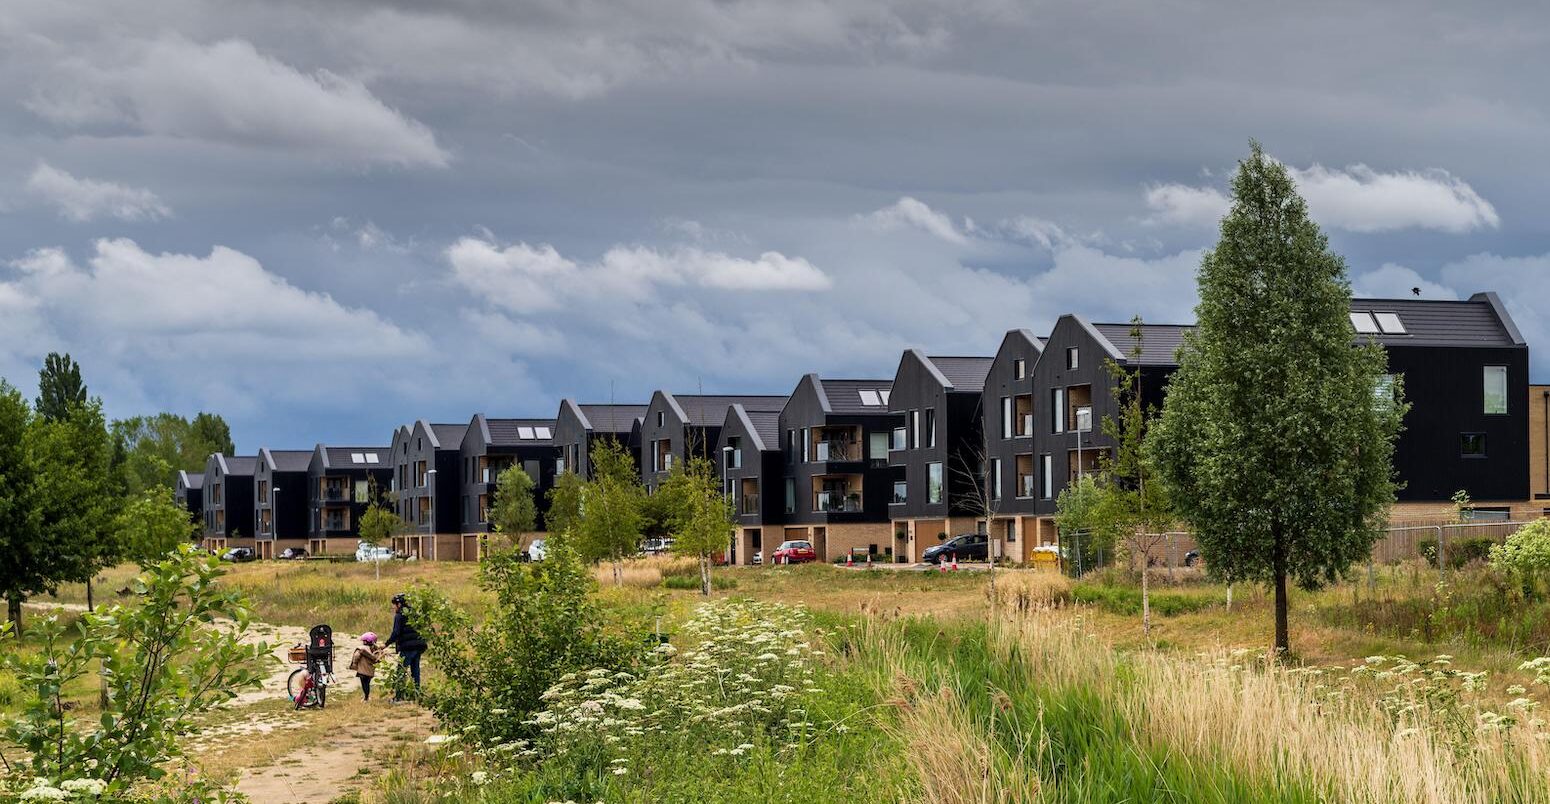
(308, 684)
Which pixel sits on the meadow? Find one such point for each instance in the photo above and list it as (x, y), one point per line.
(926, 686)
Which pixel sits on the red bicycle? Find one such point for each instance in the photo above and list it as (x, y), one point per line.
(307, 685)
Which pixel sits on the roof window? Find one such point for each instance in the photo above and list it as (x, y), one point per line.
(870, 397)
(525, 433)
(1390, 323)
(1364, 324)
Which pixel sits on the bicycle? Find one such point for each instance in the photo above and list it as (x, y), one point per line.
(307, 685)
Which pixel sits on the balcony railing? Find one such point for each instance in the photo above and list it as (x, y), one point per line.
(748, 505)
(836, 502)
(336, 494)
(839, 451)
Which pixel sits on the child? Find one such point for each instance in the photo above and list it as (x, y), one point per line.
(364, 662)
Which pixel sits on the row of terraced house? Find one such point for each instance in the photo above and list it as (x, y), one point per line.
(889, 466)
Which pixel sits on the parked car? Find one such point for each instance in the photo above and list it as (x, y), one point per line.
(656, 547)
(536, 551)
(964, 547)
(239, 554)
(293, 553)
(758, 557)
(794, 552)
(367, 552)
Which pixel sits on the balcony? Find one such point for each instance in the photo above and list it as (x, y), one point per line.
(834, 502)
(836, 451)
(748, 505)
(336, 494)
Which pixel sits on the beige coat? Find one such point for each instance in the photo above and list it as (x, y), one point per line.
(364, 661)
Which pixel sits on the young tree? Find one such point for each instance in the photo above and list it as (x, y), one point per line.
(515, 510)
(23, 556)
(1132, 501)
(77, 495)
(565, 504)
(1077, 517)
(611, 522)
(378, 524)
(151, 525)
(1277, 432)
(975, 467)
(701, 517)
(59, 387)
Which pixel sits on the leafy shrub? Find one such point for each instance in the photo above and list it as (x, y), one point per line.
(1461, 552)
(163, 666)
(693, 582)
(544, 624)
(1526, 552)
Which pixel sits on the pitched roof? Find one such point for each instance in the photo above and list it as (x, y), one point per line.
(1480, 320)
(447, 436)
(1159, 342)
(963, 373)
(286, 460)
(237, 464)
(611, 418)
(845, 396)
(356, 456)
(766, 424)
(710, 410)
(191, 480)
(519, 432)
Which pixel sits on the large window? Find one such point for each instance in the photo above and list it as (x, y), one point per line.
(1472, 445)
(1496, 390)
(1047, 476)
(930, 427)
(1058, 410)
(914, 429)
(1006, 417)
(934, 482)
(995, 479)
(900, 492)
(791, 495)
(877, 448)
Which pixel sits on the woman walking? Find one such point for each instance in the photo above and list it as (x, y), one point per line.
(406, 639)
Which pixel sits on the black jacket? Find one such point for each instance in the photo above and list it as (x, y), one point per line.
(404, 636)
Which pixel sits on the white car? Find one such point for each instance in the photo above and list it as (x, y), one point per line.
(535, 551)
(366, 552)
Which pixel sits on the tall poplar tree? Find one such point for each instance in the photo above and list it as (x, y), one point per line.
(1278, 431)
(60, 387)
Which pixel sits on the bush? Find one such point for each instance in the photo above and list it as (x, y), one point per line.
(543, 625)
(1526, 552)
(1461, 552)
(717, 581)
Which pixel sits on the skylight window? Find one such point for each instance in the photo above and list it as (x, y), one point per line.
(371, 457)
(871, 398)
(1390, 323)
(356, 457)
(525, 433)
(543, 432)
(884, 395)
(1364, 324)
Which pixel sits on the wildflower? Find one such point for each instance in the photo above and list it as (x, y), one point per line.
(1517, 689)
(621, 771)
(43, 792)
(86, 788)
(479, 778)
(440, 739)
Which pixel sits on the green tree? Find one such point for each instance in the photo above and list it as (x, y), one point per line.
(565, 495)
(1083, 532)
(164, 664)
(23, 556)
(76, 493)
(700, 516)
(151, 525)
(1277, 433)
(379, 524)
(60, 387)
(515, 510)
(155, 447)
(611, 521)
(208, 433)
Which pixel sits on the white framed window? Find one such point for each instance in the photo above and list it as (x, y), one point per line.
(870, 398)
(1058, 410)
(1390, 323)
(1364, 323)
(995, 479)
(1006, 417)
(661, 419)
(1495, 391)
(1019, 368)
(914, 429)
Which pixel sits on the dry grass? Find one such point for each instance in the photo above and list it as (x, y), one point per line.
(644, 573)
(954, 755)
(1022, 591)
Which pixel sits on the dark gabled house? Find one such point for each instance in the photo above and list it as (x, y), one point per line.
(341, 483)
(751, 476)
(189, 492)
(678, 426)
(228, 501)
(578, 427)
(938, 447)
(1010, 412)
(280, 499)
(492, 446)
(838, 482)
(427, 483)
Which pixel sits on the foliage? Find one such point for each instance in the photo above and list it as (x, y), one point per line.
(1460, 551)
(23, 556)
(1526, 553)
(1127, 601)
(610, 521)
(164, 661)
(515, 510)
(693, 582)
(151, 525)
(379, 524)
(60, 388)
(543, 624)
(155, 447)
(1463, 507)
(1083, 535)
(565, 503)
(1274, 437)
(700, 516)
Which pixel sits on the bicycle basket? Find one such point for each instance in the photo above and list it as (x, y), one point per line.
(297, 653)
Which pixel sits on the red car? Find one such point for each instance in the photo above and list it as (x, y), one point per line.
(794, 553)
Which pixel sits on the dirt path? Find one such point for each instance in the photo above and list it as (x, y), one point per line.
(350, 756)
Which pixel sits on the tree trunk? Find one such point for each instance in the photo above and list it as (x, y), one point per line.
(14, 613)
(1283, 638)
(1229, 598)
(1146, 600)
(91, 605)
(705, 576)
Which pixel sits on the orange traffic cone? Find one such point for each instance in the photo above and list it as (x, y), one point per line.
(955, 562)
(850, 559)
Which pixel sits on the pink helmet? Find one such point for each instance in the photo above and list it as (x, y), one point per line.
(370, 637)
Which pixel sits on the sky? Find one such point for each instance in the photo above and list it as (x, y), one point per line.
(322, 220)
